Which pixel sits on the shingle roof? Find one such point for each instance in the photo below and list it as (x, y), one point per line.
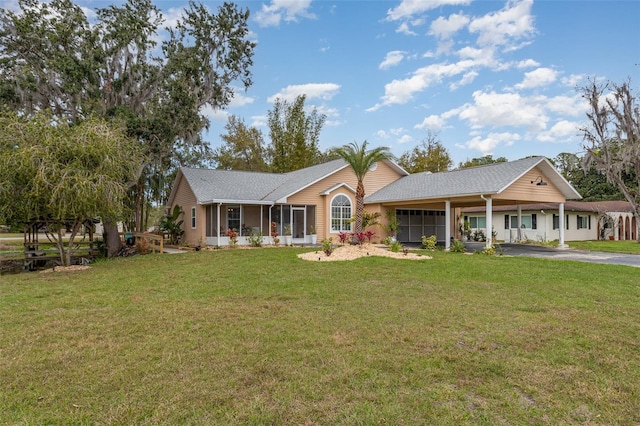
(228, 185)
(489, 179)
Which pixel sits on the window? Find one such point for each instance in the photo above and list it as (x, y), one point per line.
(584, 222)
(233, 217)
(556, 221)
(526, 222)
(477, 222)
(193, 218)
(340, 214)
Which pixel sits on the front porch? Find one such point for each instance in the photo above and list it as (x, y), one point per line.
(294, 224)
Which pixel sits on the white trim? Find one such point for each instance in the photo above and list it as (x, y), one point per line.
(336, 186)
(331, 230)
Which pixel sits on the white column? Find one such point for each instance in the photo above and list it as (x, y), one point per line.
(447, 226)
(218, 224)
(519, 232)
(561, 225)
(489, 213)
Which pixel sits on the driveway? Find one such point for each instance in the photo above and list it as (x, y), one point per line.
(563, 254)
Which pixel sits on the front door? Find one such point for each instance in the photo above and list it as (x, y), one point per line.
(297, 230)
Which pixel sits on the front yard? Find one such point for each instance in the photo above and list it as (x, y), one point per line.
(261, 337)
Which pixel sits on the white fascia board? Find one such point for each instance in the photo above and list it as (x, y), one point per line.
(284, 199)
(230, 201)
(336, 186)
(439, 197)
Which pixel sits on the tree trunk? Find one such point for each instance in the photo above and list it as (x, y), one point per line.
(111, 238)
(139, 204)
(359, 206)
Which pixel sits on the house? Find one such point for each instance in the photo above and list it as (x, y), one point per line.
(322, 198)
(540, 222)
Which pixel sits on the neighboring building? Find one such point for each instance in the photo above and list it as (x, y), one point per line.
(541, 222)
(322, 197)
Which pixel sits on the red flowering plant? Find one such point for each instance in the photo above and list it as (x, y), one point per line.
(274, 233)
(233, 237)
(359, 237)
(369, 234)
(343, 237)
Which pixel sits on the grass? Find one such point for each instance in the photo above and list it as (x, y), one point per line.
(261, 337)
(621, 246)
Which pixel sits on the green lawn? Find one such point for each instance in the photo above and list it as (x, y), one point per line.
(622, 246)
(261, 337)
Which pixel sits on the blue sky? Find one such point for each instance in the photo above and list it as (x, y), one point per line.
(491, 77)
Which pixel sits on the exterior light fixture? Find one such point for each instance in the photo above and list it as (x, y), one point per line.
(539, 181)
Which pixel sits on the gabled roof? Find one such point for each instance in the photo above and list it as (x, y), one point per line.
(474, 181)
(218, 186)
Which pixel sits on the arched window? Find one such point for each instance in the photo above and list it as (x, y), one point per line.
(340, 213)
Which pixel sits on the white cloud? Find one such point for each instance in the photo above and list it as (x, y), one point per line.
(405, 139)
(432, 122)
(382, 134)
(466, 79)
(559, 132)
(574, 80)
(408, 8)
(501, 28)
(396, 132)
(393, 58)
(537, 78)
(504, 109)
(402, 91)
(527, 63)
(403, 28)
(239, 98)
(487, 144)
(259, 120)
(323, 91)
(444, 28)
(289, 10)
(565, 105)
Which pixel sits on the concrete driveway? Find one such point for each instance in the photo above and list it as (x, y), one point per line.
(563, 254)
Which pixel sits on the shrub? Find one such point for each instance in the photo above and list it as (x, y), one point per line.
(255, 239)
(457, 246)
(233, 237)
(429, 243)
(142, 245)
(343, 237)
(327, 246)
(395, 246)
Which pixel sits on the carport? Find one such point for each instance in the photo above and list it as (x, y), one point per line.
(443, 195)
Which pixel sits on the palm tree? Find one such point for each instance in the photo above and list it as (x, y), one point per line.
(361, 162)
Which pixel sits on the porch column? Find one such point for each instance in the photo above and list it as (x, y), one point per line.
(561, 225)
(447, 226)
(218, 224)
(519, 232)
(489, 220)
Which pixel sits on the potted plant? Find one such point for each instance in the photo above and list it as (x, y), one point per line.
(314, 236)
(393, 224)
(287, 235)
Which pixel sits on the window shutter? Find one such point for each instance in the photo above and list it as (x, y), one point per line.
(534, 221)
(554, 218)
(506, 221)
(579, 221)
(566, 222)
(589, 221)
